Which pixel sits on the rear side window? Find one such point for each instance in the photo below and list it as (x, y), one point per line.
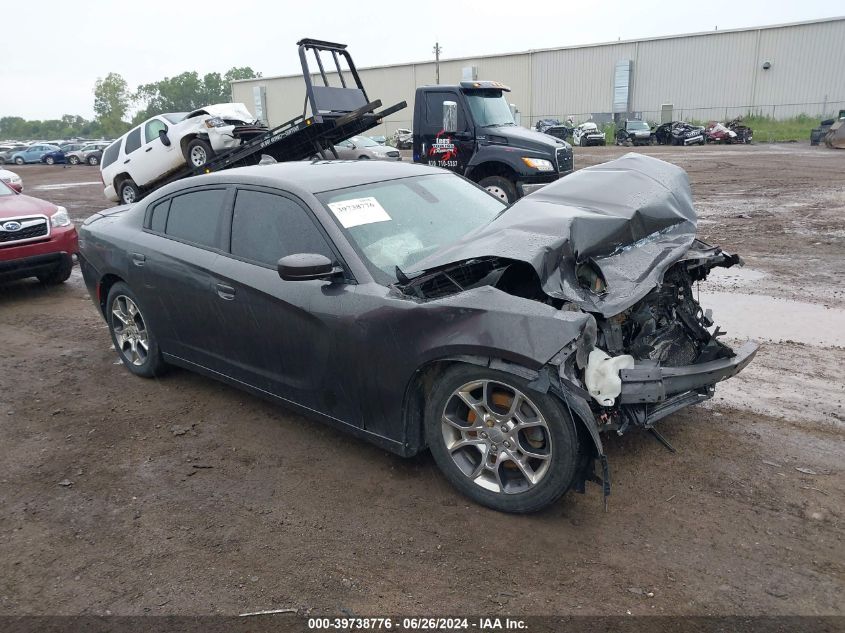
(158, 221)
(266, 227)
(195, 217)
(111, 154)
(133, 140)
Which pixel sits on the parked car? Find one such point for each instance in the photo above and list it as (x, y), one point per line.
(744, 134)
(554, 127)
(12, 179)
(364, 148)
(171, 141)
(588, 133)
(33, 154)
(93, 157)
(6, 152)
(77, 156)
(403, 138)
(37, 239)
(635, 132)
(679, 133)
(55, 157)
(494, 336)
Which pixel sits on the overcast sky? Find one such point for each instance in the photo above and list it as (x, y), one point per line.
(53, 51)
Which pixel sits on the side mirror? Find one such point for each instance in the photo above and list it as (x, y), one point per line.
(450, 117)
(306, 266)
(165, 140)
(517, 117)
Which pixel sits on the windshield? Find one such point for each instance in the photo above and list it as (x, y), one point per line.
(175, 117)
(489, 107)
(638, 125)
(5, 190)
(363, 141)
(400, 222)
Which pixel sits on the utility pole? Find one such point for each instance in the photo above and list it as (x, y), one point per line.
(437, 50)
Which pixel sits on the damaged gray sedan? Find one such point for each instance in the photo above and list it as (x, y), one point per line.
(409, 307)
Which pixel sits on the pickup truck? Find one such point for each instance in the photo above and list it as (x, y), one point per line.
(469, 128)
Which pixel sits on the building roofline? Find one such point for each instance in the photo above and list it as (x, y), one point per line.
(572, 47)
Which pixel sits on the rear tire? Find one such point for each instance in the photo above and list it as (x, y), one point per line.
(512, 461)
(129, 192)
(133, 339)
(59, 275)
(50, 160)
(500, 187)
(198, 152)
(19, 161)
(93, 161)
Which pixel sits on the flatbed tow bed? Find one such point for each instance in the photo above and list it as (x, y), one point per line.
(337, 113)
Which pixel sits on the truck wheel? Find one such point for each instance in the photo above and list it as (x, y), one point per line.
(198, 152)
(59, 275)
(499, 442)
(135, 342)
(500, 187)
(129, 192)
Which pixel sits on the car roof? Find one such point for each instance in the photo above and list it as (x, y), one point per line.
(310, 176)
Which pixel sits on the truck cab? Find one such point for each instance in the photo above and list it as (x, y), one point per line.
(469, 128)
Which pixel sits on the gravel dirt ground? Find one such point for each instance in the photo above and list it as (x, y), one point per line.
(182, 496)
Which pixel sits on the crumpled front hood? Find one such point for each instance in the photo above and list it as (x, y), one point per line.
(237, 111)
(633, 217)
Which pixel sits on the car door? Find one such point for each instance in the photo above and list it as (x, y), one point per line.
(280, 333)
(34, 153)
(133, 158)
(451, 151)
(172, 265)
(157, 158)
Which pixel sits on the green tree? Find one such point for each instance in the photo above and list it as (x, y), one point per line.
(112, 99)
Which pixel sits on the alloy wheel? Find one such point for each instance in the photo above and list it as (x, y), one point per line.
(496, 436)
(130, 331)
(198, 156)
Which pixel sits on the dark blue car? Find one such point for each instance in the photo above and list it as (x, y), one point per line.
(56, 156)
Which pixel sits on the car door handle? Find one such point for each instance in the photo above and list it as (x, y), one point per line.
(139, 259)
(126, 161)
(149, 149)
(225, 292)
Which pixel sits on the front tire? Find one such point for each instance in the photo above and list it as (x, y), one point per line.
(198, 152)
(499, 442)
(93, 161)
(73, 160)
(50, 160)
(133, 339)
(59, 275)
(500, 187)
(19, 161)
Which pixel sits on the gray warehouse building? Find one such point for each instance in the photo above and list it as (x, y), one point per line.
(779, 71)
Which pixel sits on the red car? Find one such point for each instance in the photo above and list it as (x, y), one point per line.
(37, 238)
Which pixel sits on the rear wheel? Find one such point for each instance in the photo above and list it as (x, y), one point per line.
(19, 161)
(498, 442)
(93, 161)
(50, 160)
(500, 187)
(133, 339)
(129, 192)
(198, 152)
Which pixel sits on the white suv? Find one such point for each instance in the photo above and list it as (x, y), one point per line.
(145, 155)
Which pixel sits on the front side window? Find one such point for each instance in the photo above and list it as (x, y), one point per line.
(400, 222)
(133, 140)
(195, 216)
(267, 227)
(152, 128)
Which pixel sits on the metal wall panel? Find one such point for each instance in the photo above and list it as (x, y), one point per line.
(704, 76)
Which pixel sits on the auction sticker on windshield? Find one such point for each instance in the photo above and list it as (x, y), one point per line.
(359, 211)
